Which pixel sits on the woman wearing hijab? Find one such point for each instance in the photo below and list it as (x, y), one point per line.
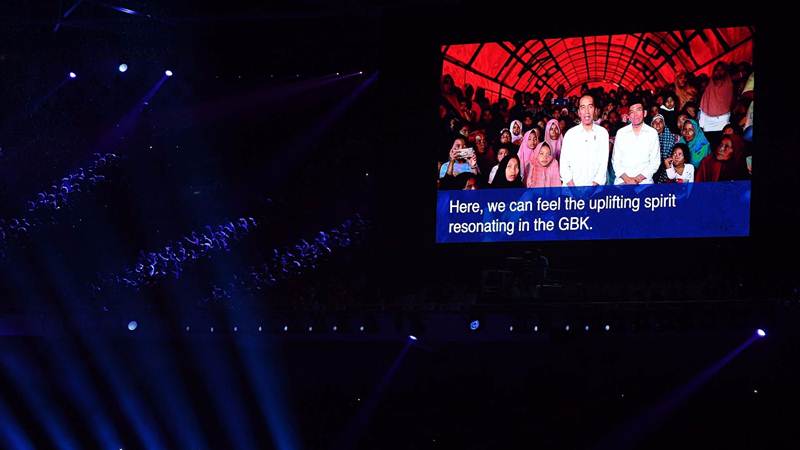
(502, 152)
(544, 170)
(665, 142)
(715, 105)
(485, 154)
(505, 137)
(554, 138)
(683, 90)
(516, 132)
(698, 144)
(529, 143)
(508, 174)
(670, 115)
(725, 164)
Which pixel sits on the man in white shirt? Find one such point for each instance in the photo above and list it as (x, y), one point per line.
(584, 152)
(636, 149)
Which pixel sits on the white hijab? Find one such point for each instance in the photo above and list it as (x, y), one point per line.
(515, 137)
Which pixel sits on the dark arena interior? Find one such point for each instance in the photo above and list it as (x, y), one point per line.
(220, 226)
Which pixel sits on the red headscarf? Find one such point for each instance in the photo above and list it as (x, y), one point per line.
(712, 169)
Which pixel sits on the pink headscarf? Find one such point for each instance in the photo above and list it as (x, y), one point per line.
(718, 97)
(543, 176)
(555, 146)
(524, 154)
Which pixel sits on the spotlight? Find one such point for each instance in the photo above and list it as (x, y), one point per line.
(132, 325)
(259, 328)
(286, 328)
(73, 75)
(310, 328)
(168, 73)
(608, 327)
(536, 328)
(361, 328)
(187, 328)
(212, 329)
(761, 333)
(474, 325)
(337, 74)
(361, 73)
(123, 67)
(586, 328)
(125, 10)
(511, 328)
(335, 328)
(235, 328)
(566, 328)
(412, 337)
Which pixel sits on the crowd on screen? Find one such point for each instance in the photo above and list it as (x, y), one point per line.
(694, 129)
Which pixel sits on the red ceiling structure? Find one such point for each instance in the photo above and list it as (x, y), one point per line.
(649, 60)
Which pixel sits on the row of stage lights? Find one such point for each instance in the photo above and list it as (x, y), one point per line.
(297, 75)
(122, 68)
(473, 326)
(476, 324)
(133, 325)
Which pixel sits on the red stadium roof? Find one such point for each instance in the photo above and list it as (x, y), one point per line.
(648, 60)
